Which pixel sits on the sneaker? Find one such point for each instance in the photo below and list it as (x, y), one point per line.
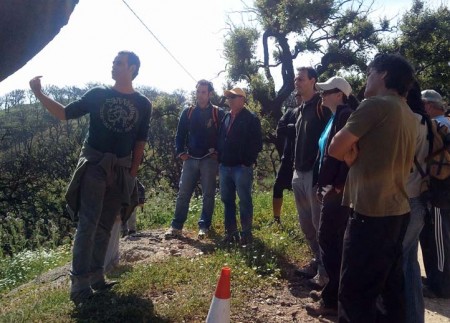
(308, 271)
(318, 282)
(202, 233)
(315, 295)
(103, 285)
(320, 309)
(172, 233)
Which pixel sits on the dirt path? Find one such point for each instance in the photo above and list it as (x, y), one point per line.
(437, 309)
(284, 304)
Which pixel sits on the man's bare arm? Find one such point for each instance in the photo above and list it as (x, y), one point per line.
(55, 108)
(344, 146)
(138, 152)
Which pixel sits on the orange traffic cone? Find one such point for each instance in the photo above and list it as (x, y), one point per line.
(219, 311)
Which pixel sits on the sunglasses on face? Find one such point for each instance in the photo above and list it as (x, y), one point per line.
(231, 97)
(332, 91)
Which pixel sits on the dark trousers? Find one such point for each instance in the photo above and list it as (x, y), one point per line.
(333, 221)
(435, 244)
(371, 273)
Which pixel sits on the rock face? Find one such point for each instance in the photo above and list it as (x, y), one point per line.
(26, 27)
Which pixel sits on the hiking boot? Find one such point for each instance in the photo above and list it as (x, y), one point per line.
(315, 295)
(318, 282)
(103, 285)
(320, 309)
(308, 271)
(131, 232)
(231, 239)
(82, 296)
(172, 233)
(202, 233)
(246, 240)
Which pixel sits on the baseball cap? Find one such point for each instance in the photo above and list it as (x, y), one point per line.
(235, 91)
(336, 82)
(432, 96)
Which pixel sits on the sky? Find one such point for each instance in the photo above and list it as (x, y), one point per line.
(193, 31)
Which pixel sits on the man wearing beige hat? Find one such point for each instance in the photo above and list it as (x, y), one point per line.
(435, 235)
(239, 143)
(435, 107)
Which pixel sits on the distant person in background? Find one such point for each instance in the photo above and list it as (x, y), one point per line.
(129, 224)
(196, 146)
(283, 181)
(336, 96)
(240, 141)
(435, 236)
(106, 172)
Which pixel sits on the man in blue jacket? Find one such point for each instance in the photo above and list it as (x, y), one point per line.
(240, 141)
(196, 143)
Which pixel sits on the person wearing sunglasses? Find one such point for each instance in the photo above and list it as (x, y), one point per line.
(336, 96)
(240, 141)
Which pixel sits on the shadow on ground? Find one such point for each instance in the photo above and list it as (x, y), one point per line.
(111, 307)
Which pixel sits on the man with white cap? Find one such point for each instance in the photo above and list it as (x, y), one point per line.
(240, 141)
(435, 107)
(435, 235)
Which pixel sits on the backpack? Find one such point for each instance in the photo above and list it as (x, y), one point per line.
(215, 114)
(437, 173)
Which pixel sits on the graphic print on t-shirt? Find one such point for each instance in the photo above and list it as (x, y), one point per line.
(119, 114)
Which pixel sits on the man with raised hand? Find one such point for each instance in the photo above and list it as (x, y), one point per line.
(378, 142)
(106, 172)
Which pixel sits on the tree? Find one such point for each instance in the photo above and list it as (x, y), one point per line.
(425, 41)
(339, 31)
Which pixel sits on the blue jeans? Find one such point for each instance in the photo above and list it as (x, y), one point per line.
(100, 203)
(193, 170)
(237, 179)
(411, 269)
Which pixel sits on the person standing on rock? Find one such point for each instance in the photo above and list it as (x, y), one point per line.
(105, 177)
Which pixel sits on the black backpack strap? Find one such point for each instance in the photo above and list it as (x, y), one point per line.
(422, 173)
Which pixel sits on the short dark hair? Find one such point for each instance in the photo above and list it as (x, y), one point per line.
(312, 73)
(399, 72)
(207, 83)
(132, 59)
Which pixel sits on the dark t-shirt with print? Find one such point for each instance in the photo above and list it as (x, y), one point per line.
(117, 120)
